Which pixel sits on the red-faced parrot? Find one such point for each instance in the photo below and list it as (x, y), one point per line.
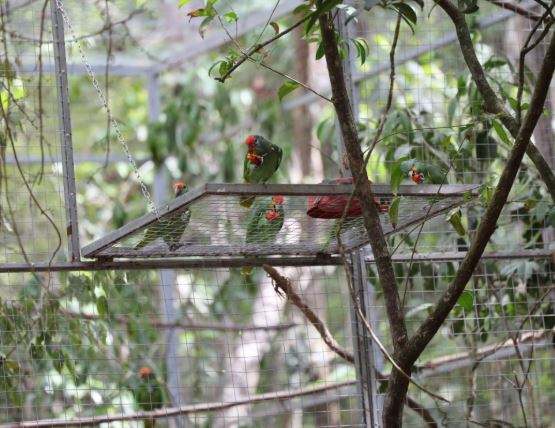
(261, 161)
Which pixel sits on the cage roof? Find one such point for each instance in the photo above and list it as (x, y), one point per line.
(209, 221)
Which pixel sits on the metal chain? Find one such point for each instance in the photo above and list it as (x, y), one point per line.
(113, 122)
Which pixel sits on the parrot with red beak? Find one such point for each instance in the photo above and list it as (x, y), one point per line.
(169, 229)
(264, 223)
(261, 162)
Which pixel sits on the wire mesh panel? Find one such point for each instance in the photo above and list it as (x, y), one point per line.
(437, 114)
(210, 221)
(493, 357)
(31, 196)
(78, 347)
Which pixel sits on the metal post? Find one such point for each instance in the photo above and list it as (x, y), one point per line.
(363, 345)
(346, 32)
(72, 227)
(167, 277)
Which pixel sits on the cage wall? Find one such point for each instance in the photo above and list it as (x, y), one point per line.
(31, 173)
(493, 357)
(437, 116)
(73, 344)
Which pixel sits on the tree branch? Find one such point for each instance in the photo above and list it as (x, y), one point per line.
(185, 325)
(449, 298)
(492, 103)
(173, 411)
(397, 386)
(285, 285)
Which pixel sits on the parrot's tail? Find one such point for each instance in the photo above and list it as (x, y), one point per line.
(150, 423)
(140, 245)
(247, 270)
(246, 201)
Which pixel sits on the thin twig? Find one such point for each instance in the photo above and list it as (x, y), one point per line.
(522, 57)
(516, 9)
(389, 102)
(123, 22)
(40, 101)
(248, 54)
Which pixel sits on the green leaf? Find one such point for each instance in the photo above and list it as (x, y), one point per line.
(501, 132)
(435, 174)
(321, 9)
(204, 25)
(466, 300)
(486, 147)
(362, 49)
(397, 176)
(217, 63)
(183, 3)
(275, 26)
(303, 8)
(287, 88)
(495, 62)
(420, 308)
(320, 51)
(231, 17)
(455, 219)
(36, 351)
(394, 212)
(407, 13)
(102, 305)
(420, 3)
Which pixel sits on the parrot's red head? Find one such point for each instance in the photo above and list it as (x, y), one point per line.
(255, 159)
(416, 175)
(179, 188)
(277, 199)
(271, 215)
(251, 143)
(144, 372)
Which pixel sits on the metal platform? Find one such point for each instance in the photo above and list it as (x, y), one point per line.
(218, 224)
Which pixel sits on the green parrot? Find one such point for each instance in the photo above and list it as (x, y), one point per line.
(170, 229)
(149, 394)
(421, 171)
(264, 223)
(261, 161)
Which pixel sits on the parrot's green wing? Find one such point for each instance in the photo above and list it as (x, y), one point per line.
(261, 230)
(175, 228)
(149, 394)
(435, 174)
(151, 235)
(254, 223)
